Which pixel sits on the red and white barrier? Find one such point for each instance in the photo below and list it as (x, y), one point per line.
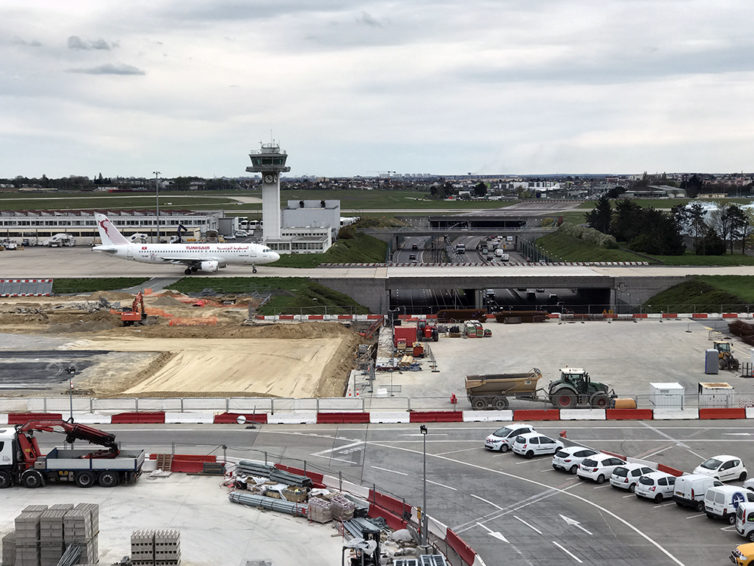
(189, 418)
(487, 416)
(385, 417)
(582, 414)
(301, 417)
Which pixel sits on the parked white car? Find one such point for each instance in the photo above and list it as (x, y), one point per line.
(502, 439)
(626, 477)
(723, 468)
(533, 444)
(568, 458)
(656, 486)
(599, 467)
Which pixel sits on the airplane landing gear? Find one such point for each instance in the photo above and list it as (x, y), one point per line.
(187, 271)
(253, 268)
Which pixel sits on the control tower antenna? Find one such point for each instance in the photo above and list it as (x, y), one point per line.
(270, 162)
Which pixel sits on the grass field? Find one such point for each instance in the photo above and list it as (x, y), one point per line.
(568, 248)
(361, 249)
(62, 286)
(291, 295)
(715, 293)
(667, 202)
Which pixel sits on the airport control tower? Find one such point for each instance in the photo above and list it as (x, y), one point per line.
(270, 162)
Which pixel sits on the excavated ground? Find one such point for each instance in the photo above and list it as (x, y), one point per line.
(212, 355)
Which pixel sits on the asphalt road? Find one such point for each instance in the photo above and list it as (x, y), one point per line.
(511, 510)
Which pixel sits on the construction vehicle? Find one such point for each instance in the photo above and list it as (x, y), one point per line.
(22, 461)
(726, 359)
(136, 314)
(573, 389)
(426, 331)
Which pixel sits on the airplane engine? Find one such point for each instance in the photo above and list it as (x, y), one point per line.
(209, 266)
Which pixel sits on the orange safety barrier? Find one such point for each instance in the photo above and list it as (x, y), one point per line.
(455, 542)
(231, 418)
(153, 311)
(330, 418)
(436, 416)
(536, 415)
(183, 321)
(395, 506)
(669, 470)
(629, 414)
(155, 417)
(736, 413)
(393, 521)
(23, 418)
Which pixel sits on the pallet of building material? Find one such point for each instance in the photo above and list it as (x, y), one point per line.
(167, 547)
(281, 476)
(9, 548)
(342, 508)
(93, 510)
(250, 468)
(213, 468)
(142, 546)
(320, 510)
(27, 528)
(295, 494)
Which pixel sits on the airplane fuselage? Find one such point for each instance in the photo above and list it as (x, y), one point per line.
(225, 254)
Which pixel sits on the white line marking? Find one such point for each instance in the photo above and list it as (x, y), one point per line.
(337, 449)
(532, 527)
(731, 528)
(483, 499)
(601, 486)
(547, 470)
(455, 451)
(393, 472)
(437, 483)
(627, 496)
(575, 523)
(663, 505)
(695, 516)
(497, 534)
(568, 552)
(529, 461)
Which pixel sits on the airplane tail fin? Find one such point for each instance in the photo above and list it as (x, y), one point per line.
(108, 233)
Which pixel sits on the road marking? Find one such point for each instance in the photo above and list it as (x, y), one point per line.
(547, 470)
(437, 483)
(455, 451)
(602, 486)
(663, 505)
(737, 433)
(528, 461)
(677, 442)
(497, 534)
(532, 527)
(393, 472)
(695, 516)
(731, 528)
(627, 496)
(568, 552)
(483, 499)
(575, 523)
(658, 451)
(337, 449)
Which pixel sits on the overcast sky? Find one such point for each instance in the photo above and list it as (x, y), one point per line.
(352, 87)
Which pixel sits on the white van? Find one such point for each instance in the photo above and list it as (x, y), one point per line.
(690, 489)
(721, 502)
(745, 520)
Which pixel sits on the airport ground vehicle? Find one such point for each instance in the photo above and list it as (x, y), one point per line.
(690, 489)
(655, 486)
(568, 458)
(574, 388)
(598, 467)
(59, 240)
(137, 314)
(721, 502)
(745, 522)
(22, 462)
(726, 359)
(460, 248)
(743, 555)
(533, 444)
(502, 439)
(626, 477)
(723, 468)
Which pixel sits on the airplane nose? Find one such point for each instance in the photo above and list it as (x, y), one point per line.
(276, 256)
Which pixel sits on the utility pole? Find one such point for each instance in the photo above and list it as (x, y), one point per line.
(157, 196)
(424, 521)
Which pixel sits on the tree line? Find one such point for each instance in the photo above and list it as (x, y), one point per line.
(662, 233)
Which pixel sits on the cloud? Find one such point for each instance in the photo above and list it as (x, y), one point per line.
(367, 19)
(75, 42)
(110, 69)
(25, 43)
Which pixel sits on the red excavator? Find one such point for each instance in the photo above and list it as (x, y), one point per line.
(23, 463)
(137, 314)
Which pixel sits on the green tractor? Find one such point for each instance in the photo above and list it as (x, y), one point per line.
(576, 389)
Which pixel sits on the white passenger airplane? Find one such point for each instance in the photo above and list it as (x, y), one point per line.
(195, 256)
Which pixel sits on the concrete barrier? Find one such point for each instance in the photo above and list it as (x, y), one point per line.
(487, 416)
(436, 416)
(91, 418)
(750, 412)
(189, 418)
(303, 417)
(536, 415)
(735, 413)
(675, 414)
(343, 417)
(582, 414)
(3, 419)
(389, 417)
(628, 414)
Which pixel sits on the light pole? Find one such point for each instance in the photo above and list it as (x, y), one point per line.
(425, 523)
(71, 371)
(157, 197)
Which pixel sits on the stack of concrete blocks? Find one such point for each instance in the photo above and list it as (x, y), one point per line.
(81, 526)
(9, 549)
(28, 536)
(51, 546)
(156, 548)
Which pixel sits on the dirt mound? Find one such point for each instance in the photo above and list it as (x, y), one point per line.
(273, 331)
(111, 296)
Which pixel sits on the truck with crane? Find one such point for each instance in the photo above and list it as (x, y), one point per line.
(23, 463)
(573, 389)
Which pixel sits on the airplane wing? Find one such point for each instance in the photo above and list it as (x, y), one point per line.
(188, 261)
